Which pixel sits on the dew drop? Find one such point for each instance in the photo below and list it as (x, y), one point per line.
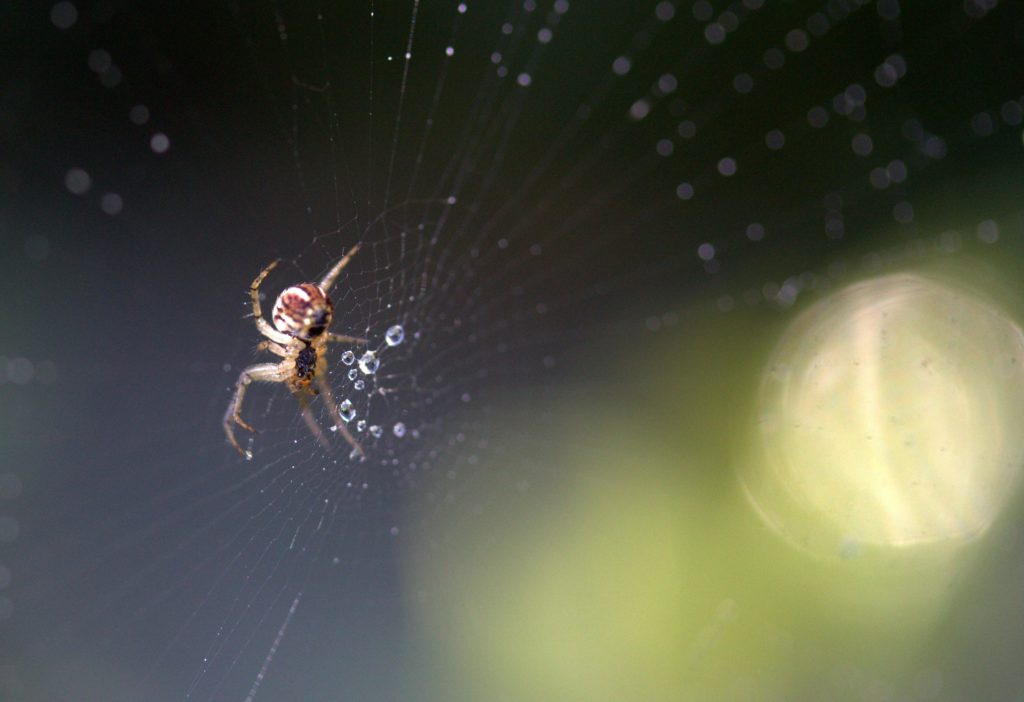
(369, 363)
(395, 335)
(399, 429)
(376, 431)
(353, 374)
(248, 455)
(347, 411)
(359, 385)
(361, 425)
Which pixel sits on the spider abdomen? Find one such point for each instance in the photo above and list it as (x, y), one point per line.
(303, 311)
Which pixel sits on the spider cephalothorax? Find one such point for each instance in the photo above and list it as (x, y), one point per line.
(303, 311)
(302, 314)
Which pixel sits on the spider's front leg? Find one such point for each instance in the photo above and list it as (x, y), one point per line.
(327, 282)
(261, 372)
(343, 339)
(254, 294)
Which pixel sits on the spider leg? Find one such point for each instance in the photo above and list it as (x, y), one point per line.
(263, 325)
(273, 347)
(325, 392)
(343, 339)
(307, 414)
(332, 275)
(261, 372)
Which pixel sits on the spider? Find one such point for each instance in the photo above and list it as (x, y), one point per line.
(302, 314)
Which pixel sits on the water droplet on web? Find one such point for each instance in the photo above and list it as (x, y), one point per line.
(361, 425)
(348, 358)
(353, 374)
(248, 455)
(346, 410)
(369, 363)
(359, 385)
(395, 335)
(399, 429)
(376, 431)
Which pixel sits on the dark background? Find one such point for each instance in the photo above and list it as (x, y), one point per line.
(137, 542)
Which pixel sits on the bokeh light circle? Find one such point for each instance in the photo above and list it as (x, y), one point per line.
(890, 415)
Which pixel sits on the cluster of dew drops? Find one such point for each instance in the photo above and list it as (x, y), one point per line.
(368, 364)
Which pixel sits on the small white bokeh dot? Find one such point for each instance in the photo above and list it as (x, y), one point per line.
(524, 79)
(743, 83)
(775, 139)
(20, 371)
(727, 166)
(665, 11)
(796, 40)
(159, 143)
(111, 203)
(903, 212)
(817, 117)
(896, 171)
(100, 60)
(111, 77)
(862, 144)
(755, 231)
(706, 251)
(774, 59)
(63, 15)
(684, 191)
(77, 181)
(714, 33)
(639, 109)
(139, 114)
(988, 231)
(449, 51)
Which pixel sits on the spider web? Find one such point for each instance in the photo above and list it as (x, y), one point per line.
(535, 184)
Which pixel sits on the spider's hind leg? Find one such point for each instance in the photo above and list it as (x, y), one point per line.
(332, 407)
(307, 415)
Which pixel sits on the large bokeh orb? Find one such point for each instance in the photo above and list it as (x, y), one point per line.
(891, 414)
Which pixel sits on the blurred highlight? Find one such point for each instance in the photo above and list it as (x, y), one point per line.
(890, 414)
(633, 553)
